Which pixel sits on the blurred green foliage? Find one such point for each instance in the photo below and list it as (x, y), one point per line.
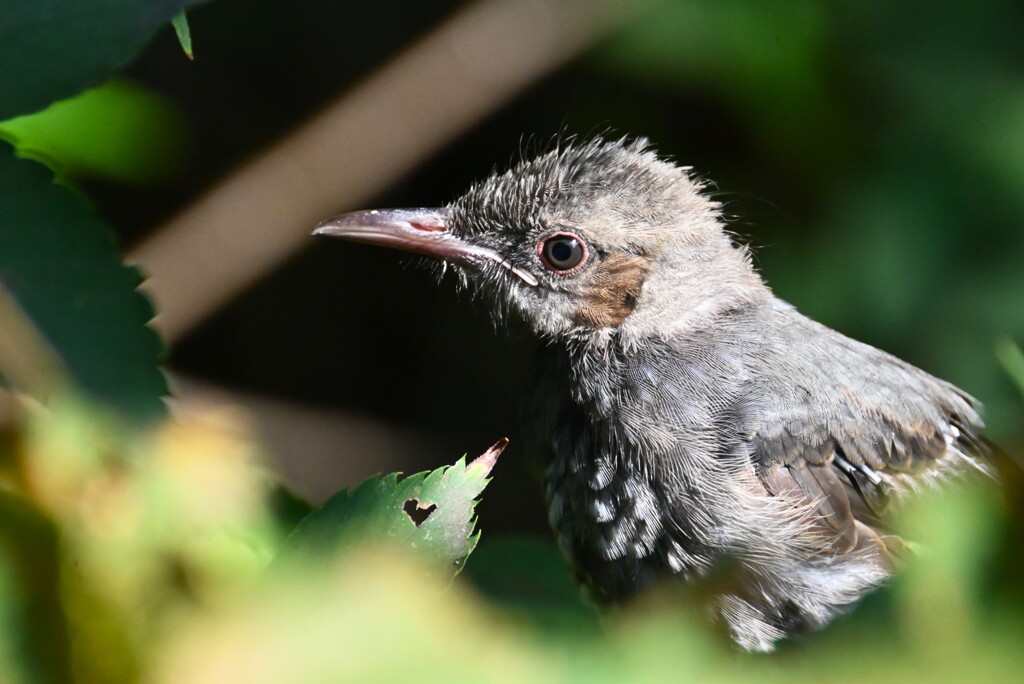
(149, 553)
(145, 535)
(1012, 358)
(901, 128)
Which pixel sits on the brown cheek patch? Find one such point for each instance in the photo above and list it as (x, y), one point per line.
(613, 290)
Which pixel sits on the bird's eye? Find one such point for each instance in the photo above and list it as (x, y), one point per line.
(562, 252)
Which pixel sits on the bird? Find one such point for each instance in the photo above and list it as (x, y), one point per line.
(688, 421)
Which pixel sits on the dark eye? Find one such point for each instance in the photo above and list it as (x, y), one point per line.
(562, 252)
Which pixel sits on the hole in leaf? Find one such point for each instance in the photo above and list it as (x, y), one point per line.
(417, 511)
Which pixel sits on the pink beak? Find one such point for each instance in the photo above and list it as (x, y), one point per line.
(420, 231)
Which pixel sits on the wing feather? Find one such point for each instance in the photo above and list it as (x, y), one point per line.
(854, 424)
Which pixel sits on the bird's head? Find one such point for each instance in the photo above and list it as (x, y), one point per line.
(586, 239)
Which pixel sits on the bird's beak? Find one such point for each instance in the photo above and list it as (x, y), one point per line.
(420, 231)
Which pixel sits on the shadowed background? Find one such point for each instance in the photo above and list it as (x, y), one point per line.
(873, 154)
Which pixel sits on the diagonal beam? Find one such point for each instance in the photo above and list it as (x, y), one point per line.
(399, 116)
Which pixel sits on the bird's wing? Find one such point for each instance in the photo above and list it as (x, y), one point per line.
(852, 428)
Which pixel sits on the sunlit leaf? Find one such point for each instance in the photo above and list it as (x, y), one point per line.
(429, 512)
(1012, 359)
(120, 132)
(180, 23)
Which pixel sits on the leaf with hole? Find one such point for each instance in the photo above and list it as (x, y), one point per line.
(430, 512)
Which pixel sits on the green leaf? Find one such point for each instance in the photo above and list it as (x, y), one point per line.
(120, 132)
(955, 535)
(763, 58)
(52, 50)
(33, 632)
(529, 577)
(180, 23)
(1012, 358)
(288, 508)
(431, 513)
(58, 262)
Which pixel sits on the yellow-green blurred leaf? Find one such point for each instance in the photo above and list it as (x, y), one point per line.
(33, 633)
(378, 614)
(1012, 359)
(153, 523)
(118, 132)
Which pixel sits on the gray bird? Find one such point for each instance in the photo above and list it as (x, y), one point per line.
(687, 419)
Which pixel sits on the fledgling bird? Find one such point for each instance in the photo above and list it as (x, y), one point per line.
(688, 419)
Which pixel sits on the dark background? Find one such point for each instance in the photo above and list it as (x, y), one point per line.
(871, 152)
